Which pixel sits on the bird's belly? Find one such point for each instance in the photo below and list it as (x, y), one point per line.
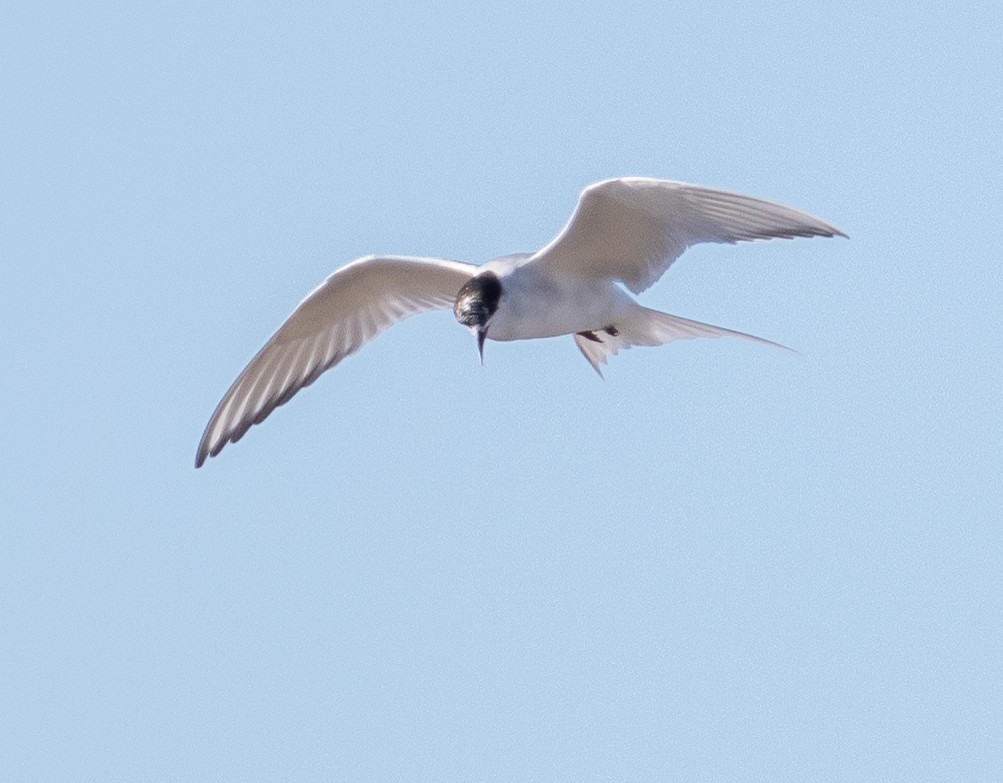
(570, 311)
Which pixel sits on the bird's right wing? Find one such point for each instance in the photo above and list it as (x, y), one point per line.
(632, 229)
(350, 308)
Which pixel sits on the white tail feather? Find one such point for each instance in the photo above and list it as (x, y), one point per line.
(650, 327)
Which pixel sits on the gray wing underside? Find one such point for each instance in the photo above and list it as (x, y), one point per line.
(632, 229)
(349, 309)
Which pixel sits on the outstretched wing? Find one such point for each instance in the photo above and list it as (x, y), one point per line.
(632, 229)
(346, 311)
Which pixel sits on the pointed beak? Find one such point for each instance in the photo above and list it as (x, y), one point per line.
(482, 334)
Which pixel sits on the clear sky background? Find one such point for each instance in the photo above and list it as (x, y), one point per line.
(723, 562)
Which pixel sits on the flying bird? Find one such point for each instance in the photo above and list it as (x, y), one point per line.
(624, 233)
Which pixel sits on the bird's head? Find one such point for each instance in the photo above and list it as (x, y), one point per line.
(476, 303)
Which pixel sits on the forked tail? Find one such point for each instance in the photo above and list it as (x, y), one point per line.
(643, 326)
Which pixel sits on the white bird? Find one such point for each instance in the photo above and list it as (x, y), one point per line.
(624, 232)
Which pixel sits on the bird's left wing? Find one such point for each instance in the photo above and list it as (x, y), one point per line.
(632, 229)
(350, 308)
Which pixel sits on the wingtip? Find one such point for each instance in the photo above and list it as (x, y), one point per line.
(201, 455)
(770, 343)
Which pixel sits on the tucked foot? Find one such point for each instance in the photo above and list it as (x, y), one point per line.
(591, 335)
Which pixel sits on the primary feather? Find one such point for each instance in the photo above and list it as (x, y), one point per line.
(631, 229)
(346, 311)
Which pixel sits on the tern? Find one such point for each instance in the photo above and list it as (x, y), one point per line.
(623, 234)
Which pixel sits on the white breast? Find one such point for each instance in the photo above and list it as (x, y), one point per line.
(536, 305)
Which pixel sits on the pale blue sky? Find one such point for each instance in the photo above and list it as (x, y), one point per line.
(723, 562)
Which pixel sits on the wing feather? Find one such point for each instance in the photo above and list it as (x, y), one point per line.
(632, 229)
(349, 309)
